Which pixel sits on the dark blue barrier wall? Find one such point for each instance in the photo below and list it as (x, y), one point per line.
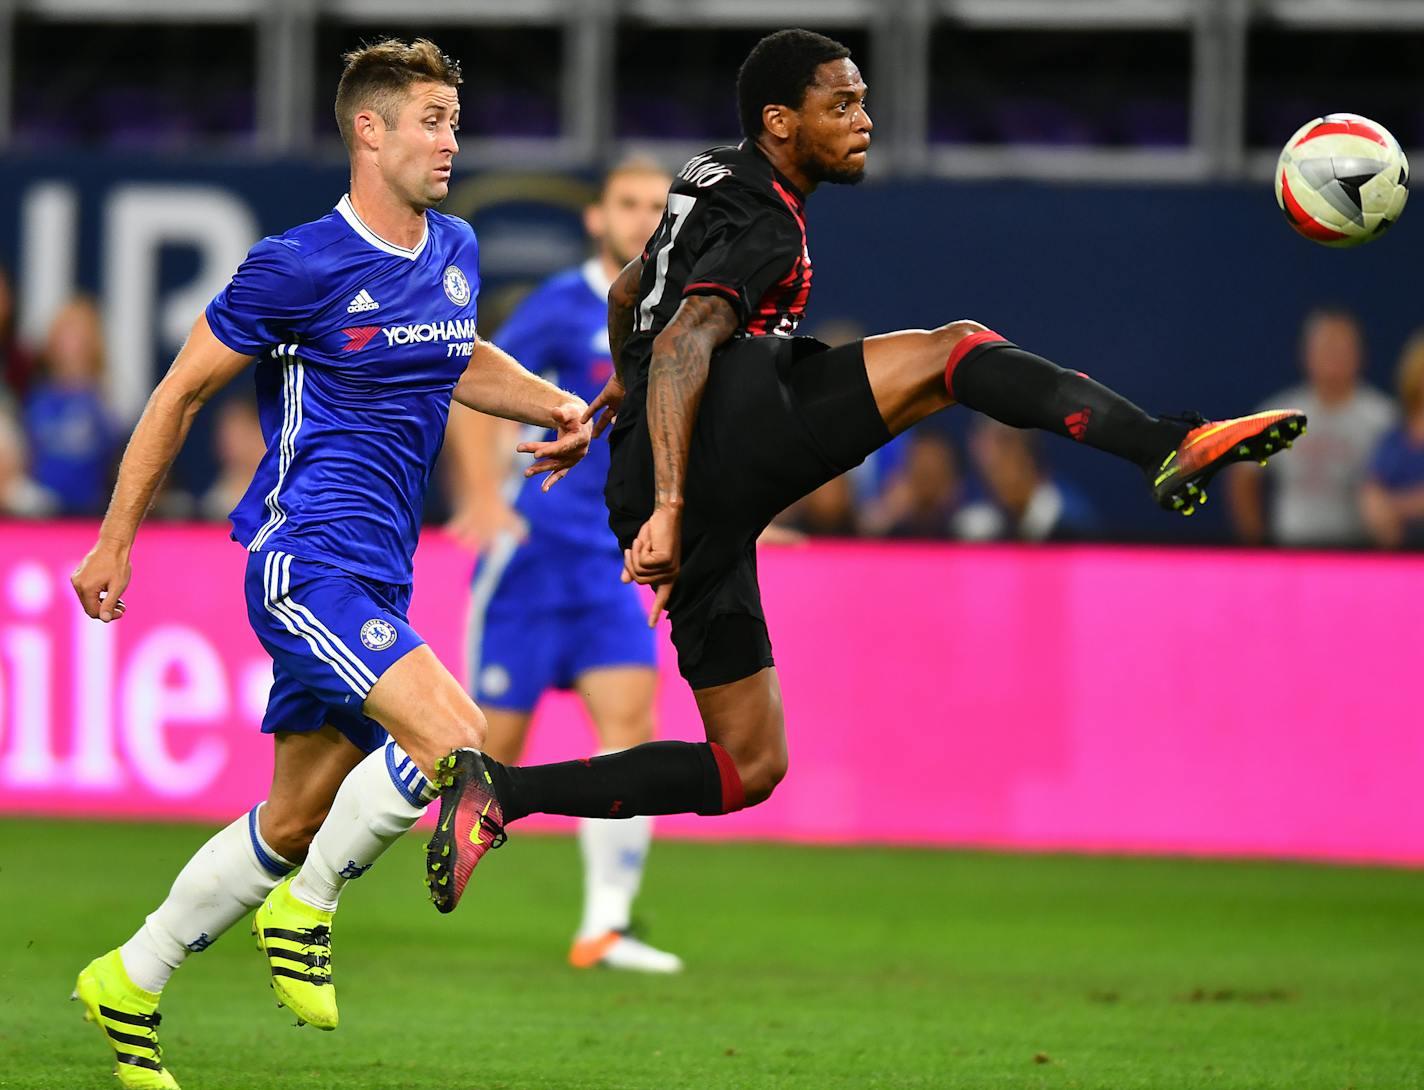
(1182, 297)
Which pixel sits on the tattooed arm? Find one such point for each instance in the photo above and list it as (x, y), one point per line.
(622, 305)
(682, 354)
(622, 302)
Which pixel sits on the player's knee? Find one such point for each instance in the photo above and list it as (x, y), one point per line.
(458, 727)
(761, 775)
(625, 732)
(948, 336)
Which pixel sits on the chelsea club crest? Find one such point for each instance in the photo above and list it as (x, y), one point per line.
(378, 634)
(457, 288)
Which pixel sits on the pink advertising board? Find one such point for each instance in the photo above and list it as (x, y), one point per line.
(1086, 698)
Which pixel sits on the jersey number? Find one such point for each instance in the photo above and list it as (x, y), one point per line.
(678, 207)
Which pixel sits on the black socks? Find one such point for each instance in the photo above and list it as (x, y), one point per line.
(1022, 390)
(655, 778)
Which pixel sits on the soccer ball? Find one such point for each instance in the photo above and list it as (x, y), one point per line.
(1342, 179)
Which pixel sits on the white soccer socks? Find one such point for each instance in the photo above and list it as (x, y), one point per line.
(227, 878)
(614, 851)
(379, 800)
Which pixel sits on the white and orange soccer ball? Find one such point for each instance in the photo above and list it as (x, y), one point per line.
(1342, 179)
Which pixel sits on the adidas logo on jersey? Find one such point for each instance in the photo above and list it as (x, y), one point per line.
(362, 302)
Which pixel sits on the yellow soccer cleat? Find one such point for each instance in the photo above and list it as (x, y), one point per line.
(297, 941)
(129, 1017)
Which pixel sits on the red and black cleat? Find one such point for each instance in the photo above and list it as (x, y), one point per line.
(471, 823)
(1180, 483)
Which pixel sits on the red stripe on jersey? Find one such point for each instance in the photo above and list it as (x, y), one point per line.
(703, 287)
(1302, 220)
(360, 337)
(769, 308)
(1351, 128)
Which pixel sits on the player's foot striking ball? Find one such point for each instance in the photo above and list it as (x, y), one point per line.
(722, 419)
(471, 823)
(297, 941)
(129, 1017)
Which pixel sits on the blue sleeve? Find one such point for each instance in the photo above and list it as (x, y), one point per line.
(267, 301)
(531, 334)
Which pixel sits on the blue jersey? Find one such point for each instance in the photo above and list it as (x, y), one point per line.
(560, 331)
(359, 345)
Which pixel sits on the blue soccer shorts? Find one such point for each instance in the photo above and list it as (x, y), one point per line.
(544, 613)
(331, 634)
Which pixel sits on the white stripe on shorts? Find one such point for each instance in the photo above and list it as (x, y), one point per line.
(294, 624)
(481, 591)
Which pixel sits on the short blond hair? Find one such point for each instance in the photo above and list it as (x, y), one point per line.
(632, 164)
(1409, 378)
(379, 75)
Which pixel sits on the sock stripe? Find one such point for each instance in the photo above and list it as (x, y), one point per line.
(411, 795)
(733, 794)
(963, 348)
(273, 865)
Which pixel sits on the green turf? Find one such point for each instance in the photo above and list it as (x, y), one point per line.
(807, 968)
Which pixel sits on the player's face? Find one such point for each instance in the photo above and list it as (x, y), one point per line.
(833, 134)
(623, 221)
(417, 155)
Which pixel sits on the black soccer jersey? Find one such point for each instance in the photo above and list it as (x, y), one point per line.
(734, 227)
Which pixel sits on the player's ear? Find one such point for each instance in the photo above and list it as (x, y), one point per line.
(594, 221)
(777, 120)
(367, 127)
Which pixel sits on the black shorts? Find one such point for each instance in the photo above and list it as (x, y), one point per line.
(780, 417)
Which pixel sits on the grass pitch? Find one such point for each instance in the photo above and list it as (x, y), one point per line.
(807, 968)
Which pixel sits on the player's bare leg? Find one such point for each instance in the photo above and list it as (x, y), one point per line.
(748, 720)
(505, 734)
(307, 770)
(227, 877)
(433, 723)
(428, 715)
(619, 700)
(916, 372)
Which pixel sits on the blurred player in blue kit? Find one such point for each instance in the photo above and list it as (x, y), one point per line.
(547, 607)
(362, 324)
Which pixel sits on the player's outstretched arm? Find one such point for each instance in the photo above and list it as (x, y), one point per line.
(496, 383)
(203, 367)
(622, 301)
(481, 449)
(677, 375)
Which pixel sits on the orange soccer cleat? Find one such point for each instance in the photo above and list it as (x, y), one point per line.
(1180, 483)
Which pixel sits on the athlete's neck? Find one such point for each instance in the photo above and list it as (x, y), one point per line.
(389, 217)
(781, 159)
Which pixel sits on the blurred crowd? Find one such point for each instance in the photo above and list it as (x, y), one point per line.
(1356, 480)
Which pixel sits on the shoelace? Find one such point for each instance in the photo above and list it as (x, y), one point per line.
(318, 945)
(1190, 418)
(497, 834)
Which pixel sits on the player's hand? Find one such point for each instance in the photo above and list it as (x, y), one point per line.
(654, 557)
(560, 454)
(610, 400)
(478, 523)
(99, 580)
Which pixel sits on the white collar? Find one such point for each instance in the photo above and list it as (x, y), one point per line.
(348, 213)
(596, 278)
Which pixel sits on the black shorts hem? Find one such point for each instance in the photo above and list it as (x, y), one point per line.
(698, 680)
